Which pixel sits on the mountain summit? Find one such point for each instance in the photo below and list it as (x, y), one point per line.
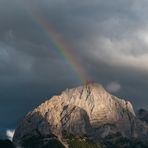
(88, 111)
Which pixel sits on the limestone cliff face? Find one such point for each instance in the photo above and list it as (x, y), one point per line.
(86, 110)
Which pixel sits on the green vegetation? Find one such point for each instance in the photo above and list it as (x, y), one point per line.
(82, 143)
(38, 142)
(79, 141)
(51, 141)
(118, 141)
(6, 144)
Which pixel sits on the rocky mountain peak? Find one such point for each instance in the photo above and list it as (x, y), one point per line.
(85, 110)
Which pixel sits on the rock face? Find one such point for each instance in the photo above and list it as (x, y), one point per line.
(87, 110)
(143, 115)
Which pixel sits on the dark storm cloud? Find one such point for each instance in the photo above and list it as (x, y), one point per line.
(108, 38)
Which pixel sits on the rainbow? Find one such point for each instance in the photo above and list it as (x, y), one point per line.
(61, 47)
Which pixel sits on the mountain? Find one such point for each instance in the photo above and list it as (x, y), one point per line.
(143, 115)
(86, 116)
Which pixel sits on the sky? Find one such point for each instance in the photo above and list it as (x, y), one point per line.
(50, 45)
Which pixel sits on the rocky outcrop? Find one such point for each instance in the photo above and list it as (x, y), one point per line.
(142, 114)
(87, 110)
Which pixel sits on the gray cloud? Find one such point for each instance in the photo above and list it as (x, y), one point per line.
(113, 86)
(108, 38)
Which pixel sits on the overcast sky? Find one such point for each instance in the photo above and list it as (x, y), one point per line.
(109, 39)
